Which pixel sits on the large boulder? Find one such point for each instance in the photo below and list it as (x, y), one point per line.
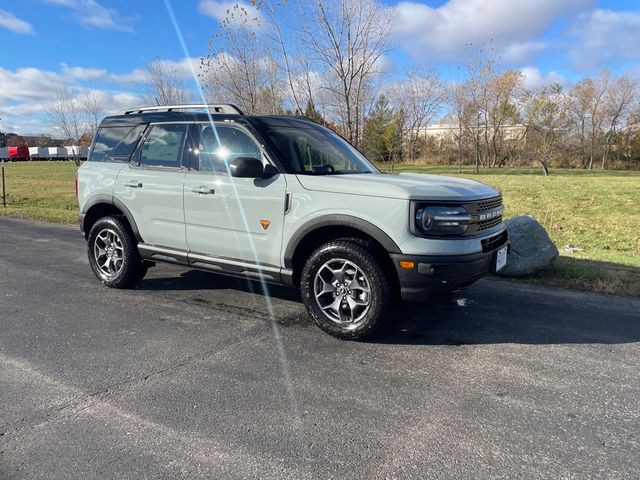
(531, 248)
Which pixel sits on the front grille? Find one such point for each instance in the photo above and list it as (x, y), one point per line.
(487, 224)
(491, 243)
(485, 214)
(490, 204)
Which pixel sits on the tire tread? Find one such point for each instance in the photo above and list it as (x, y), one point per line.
(359, 249)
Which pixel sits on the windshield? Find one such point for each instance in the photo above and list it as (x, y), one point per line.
(317, 151)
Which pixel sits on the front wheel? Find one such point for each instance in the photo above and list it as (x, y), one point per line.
(113, 254)
(345, 289)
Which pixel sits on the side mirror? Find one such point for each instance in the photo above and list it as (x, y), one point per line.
(251, 167)
(246, 167)
(269, 171)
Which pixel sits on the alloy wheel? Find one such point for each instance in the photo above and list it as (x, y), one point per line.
(108, 252)
(342, 291)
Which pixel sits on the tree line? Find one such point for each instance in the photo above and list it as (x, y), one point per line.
(326, 60)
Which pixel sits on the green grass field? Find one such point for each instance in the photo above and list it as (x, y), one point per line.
(41, 191)
(596, 212)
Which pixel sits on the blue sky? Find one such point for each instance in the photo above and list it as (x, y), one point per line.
(103, 44)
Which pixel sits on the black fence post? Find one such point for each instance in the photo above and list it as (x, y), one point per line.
(4, 193)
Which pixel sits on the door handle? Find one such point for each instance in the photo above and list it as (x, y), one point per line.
(204, 190)
(133, 184)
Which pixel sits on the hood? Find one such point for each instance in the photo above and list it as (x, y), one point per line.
(410, 186)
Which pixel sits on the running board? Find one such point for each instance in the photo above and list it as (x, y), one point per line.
(226, 266)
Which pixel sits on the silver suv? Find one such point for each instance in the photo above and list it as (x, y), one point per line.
(282, 200)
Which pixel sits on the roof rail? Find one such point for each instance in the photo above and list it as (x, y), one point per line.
(213, 108)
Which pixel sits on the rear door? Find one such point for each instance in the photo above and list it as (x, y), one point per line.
(233, 219)
(151, 185)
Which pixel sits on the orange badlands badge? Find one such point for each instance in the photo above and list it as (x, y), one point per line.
(265, 223)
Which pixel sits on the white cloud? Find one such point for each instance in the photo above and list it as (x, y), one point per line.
(29, 117)
(184, 67)
(83, 73)
(139, 75)
(25, 94)
(93, 14)
(442, 33)
(605, 36)
(522, 52)
(12, 23)
(26, 84)
(534, 78)
(234, 12)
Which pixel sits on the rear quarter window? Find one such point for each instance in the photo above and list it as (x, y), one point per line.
(115, 144)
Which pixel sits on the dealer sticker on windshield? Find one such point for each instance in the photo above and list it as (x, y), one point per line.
(501, 258)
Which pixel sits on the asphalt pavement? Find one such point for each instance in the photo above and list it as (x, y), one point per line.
(193, 375)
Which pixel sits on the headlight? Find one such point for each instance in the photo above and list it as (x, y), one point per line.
(441, 220)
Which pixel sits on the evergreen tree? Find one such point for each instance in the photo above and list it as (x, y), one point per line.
(383, 132)
(312, 114)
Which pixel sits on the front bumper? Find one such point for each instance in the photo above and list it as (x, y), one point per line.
(434, 275)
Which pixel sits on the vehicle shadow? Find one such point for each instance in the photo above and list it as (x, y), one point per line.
(199, 280)
(490, 312)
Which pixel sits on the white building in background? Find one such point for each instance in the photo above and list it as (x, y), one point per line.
(450, 131)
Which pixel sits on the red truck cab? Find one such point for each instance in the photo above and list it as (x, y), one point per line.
(18, 153)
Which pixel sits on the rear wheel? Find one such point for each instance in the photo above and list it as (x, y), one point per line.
(345, 289)
(113, 254)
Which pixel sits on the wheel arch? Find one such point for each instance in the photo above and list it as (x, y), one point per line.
(332, 227)
(101, 206)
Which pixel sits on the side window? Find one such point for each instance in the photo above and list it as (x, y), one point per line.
(220, 143)
(115, 144)
(163, 146)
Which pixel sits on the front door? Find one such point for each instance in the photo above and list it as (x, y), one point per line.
(237, 220)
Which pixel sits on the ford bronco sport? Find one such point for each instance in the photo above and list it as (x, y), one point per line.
(282, 200)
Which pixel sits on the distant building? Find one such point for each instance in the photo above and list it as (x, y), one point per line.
(450, 131)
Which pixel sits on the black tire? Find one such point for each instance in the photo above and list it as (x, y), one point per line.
(355, 255)
(142, 271)
(128, 266)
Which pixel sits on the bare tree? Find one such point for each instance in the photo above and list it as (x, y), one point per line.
(285, 49)
(65, 114)
(549, 120)
(237, 67)
(619, 102)
(93, 104)
(475, 95)
(588, 97)
(347, 40)
(579, 101)
(503, 129)
(459, 116)
(165, 85)
(420, 98)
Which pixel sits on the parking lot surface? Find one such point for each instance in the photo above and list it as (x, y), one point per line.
(190, 376)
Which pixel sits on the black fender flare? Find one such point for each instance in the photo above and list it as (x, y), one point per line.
(111, 200)
(338, 220)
